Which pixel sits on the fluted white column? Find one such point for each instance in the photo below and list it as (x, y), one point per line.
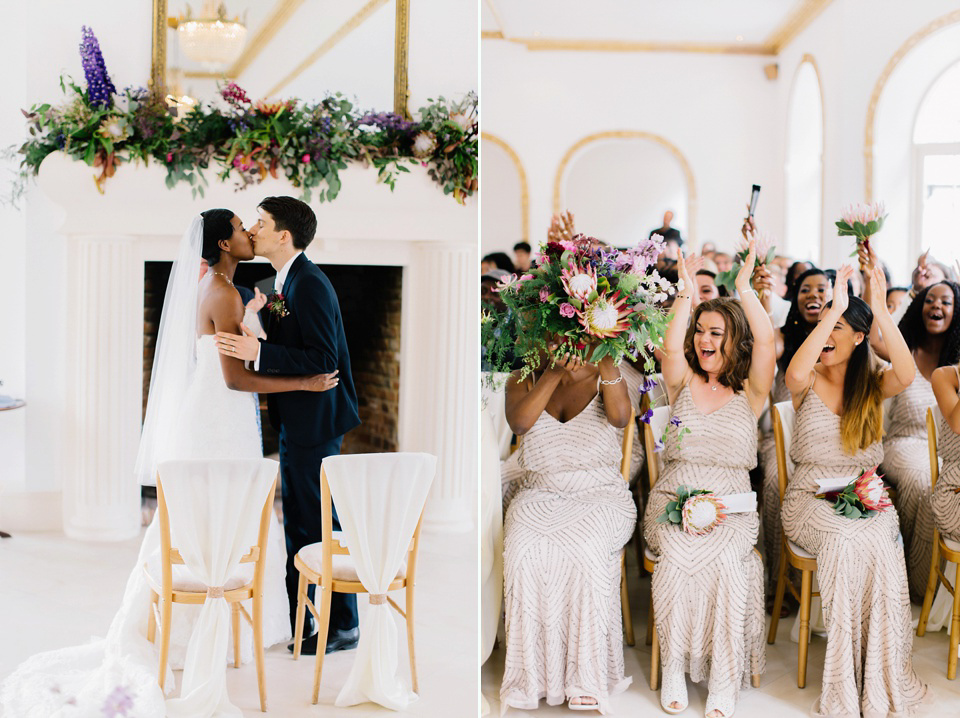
(439, 376)
(101, 498)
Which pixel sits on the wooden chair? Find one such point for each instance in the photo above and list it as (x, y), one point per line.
(784, 416)
(651, 432)
(628, 434)
(328, 566)
(169, 590)
(943, 548)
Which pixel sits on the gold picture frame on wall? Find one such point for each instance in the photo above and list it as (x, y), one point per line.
(158, 54)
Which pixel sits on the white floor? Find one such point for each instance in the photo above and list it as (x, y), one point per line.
(778, 695)
(55, 592)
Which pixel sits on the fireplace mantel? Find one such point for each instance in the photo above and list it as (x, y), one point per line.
(138, 219)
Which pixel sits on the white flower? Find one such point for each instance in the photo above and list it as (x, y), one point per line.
(602, 316)
(424, 144)
(461, 120)
(702, 513)
(679, 285)
(581, 285)
(659, 297)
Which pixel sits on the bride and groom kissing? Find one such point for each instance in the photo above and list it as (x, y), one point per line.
(302, 340)
(207, 369)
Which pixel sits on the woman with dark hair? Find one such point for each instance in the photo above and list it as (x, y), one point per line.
(813, 289)
(931, 329)
(708, 589)
(793, 276)
(838, 392)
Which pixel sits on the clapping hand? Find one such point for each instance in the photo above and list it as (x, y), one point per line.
(258, 302)
(841, 297)
(684, 266)
(561, 227)
(878, 290)
(742, 281)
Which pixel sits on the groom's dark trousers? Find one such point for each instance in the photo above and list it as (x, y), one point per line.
(308, 339)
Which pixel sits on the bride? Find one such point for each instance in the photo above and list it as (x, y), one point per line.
(200, 406)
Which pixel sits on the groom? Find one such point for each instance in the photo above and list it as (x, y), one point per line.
(304, 336)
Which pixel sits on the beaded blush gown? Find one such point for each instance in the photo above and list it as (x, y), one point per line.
(563, 534)
(946, 498)
(906, 466)
(767, 450)
(868, 668)
(121, 669)
(708, 590)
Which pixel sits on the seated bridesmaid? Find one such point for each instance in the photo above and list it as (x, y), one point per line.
(931, 329)
(813, 291)
(839, 393)
(708, 589)
(946, 498)
(563, 533)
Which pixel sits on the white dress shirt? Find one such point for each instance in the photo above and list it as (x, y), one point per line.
(278, 283)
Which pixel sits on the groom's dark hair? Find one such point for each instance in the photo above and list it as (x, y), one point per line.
(294, 216)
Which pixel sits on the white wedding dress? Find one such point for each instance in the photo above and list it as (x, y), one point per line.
(121, 670)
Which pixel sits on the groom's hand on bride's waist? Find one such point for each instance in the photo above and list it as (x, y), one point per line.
(245, 347)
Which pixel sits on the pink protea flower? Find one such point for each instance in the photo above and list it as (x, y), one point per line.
(606, 317)
(764, 240)
(862, 212)
(870, 490)
(579, 282)
(702, 513)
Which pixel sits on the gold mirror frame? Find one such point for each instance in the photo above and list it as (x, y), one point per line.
(401, 91)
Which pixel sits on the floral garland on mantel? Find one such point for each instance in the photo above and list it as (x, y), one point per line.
(308, 143)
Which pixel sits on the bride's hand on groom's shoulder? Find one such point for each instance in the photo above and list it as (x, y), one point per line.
(321, 382)
(244, 347)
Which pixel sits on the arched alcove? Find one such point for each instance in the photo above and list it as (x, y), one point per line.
(505, 209)
(804, 164)
(620, 183)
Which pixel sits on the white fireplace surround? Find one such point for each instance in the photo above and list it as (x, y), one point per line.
(138, 219)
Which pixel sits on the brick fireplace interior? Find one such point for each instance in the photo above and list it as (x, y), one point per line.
(370, 305)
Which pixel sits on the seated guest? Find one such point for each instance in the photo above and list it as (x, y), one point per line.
(928, 271)
(669, 233)
(723, 261)
(521, 250)
(708, 589)
(706, 286)
(838, 393)
(946, 497)
(497, 260)
(895, 295)
(563, 534)
(795, 270)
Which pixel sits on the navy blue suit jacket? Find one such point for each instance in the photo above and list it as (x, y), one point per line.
(309, 340)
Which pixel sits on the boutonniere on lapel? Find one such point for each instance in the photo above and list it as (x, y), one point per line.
(277, 305)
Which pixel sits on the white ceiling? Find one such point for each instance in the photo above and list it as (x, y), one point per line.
(725, 22)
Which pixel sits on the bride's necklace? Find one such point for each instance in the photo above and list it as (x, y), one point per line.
(229, 281)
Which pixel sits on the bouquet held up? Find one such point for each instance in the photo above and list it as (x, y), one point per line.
(862, 221)
(583, 299)
(859, 499)
(766, 251)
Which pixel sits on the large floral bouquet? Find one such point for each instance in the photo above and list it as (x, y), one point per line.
(584, 299)
(861, 498)
(306, 142)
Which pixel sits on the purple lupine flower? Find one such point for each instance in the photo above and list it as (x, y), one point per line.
(100, 88)
(675, 421)
(648, 385)
(385, 121)
(646, 416)
(118, 703)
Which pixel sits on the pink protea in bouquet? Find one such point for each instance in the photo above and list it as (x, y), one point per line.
(697, 511)
(861, 220)
(584, 299)
(861, 498)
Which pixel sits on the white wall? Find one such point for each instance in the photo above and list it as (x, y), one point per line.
(443, 60)
(849, 70)
(501, 212)
(719, 110)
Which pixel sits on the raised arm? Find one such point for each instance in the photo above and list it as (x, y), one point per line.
(616, 399)
(226, 311)
(944, 381)
(674, 365)
(903, 370)
(763, 361)
(797, 376)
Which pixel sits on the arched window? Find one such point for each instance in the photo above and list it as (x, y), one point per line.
(804, 167)
(936, 166)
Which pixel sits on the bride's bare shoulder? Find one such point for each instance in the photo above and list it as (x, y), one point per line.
(219, 299)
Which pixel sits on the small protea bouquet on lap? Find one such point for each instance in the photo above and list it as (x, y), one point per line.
(862, 221)
(583, 299)
(697, 511)
(862, 498)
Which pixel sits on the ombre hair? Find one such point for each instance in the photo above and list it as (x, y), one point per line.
(861, 418)
(737, 342)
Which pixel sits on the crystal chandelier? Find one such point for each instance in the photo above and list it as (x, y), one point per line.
(212, 40)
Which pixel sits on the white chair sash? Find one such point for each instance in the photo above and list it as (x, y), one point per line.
(214, 508)
(379, 499)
